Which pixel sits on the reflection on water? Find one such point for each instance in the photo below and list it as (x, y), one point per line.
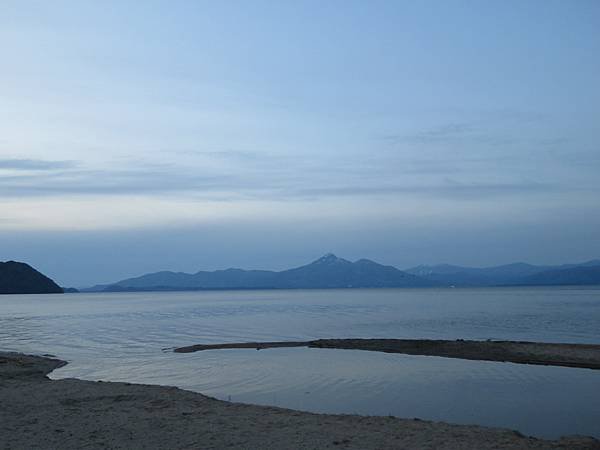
(119, 337)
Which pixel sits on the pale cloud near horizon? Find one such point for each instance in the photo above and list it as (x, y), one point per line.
(206, 183)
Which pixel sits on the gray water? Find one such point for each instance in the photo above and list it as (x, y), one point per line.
(121, 337)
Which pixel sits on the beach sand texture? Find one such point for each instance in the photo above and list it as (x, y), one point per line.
(39, 413)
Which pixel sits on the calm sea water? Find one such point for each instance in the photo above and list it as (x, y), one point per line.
(121, 337)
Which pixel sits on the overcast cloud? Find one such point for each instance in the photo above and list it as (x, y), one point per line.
(265, 134)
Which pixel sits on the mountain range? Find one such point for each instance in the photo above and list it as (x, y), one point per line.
(511, 274)
(330, 271)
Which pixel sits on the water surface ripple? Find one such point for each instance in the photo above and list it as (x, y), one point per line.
(119, 337)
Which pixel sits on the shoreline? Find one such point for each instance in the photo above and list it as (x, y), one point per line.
(71, 413)
(585, 356)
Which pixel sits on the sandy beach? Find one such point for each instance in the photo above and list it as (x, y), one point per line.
(40, 413)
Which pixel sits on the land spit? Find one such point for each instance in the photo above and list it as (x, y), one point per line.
(569, 355)
(36, 412)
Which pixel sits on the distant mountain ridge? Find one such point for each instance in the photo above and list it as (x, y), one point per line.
(20, 278)
(510, 274)
(328, 271)
(582, 275)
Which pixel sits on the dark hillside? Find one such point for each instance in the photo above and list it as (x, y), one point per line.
(21, 278)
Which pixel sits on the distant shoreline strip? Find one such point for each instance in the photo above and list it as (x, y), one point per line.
(585, 356)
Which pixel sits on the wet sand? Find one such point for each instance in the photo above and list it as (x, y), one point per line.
(567, 355)
(36, 412)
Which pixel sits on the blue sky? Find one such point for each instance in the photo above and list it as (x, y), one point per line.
(139, 136)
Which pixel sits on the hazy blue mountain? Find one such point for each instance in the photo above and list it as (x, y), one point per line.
(21, 278)
(95, 288)
(70, 290)
(474, 276)
(332, 272)
(219, 279)
(326, 272)
(580, 275)
(592, 263)
(509, 274)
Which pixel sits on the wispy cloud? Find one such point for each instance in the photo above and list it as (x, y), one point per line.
(237, 155)
(437, 134)
(273, 184)
(448, 189)
(35, 164)
(111, 182)
(239, 174)
(480, 133)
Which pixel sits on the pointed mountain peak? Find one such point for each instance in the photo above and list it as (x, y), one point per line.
(329, 258)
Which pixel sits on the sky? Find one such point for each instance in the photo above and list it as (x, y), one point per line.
(190, 135)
